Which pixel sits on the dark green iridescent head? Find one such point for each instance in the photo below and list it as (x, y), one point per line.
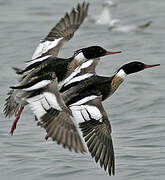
(135, 66)
(93, 52)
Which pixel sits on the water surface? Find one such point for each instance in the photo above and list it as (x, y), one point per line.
(136, 111)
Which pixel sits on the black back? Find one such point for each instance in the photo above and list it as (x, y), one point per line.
(95, 85)
(49, 65)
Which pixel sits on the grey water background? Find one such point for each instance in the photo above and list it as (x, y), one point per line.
(136, 111)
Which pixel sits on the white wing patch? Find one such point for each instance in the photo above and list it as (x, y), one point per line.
(44, 47)
(77, 115)
(51, 98)
(93, 111)
(74, 73)
(83, 112)
(77, 70)
(41, 103)
(36, 105)
(45, 103)
(83, 101)
(79, 78)
(37, 60)
(86, 64)
(38, 85)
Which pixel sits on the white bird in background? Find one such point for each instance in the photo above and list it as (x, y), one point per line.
(116, 26)
(105, 18)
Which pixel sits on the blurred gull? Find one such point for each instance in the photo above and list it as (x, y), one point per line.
(105, 15)
(105, 18)
(115, 25)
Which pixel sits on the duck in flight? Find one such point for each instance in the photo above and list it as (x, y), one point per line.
(83, 92)
(46, 69)
(44, 56)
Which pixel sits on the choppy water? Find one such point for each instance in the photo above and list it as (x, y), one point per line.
(136, 110)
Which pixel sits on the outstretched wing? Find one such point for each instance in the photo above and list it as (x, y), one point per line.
(62, 32)
(96, 130)
(60, 127)
(48, 48)
(54, 116)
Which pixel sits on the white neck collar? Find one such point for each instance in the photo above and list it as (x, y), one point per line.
(121, 74)
(80, 57)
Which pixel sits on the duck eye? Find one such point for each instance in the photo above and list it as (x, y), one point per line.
(101, 51)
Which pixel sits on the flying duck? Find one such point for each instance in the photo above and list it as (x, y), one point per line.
(83, 93)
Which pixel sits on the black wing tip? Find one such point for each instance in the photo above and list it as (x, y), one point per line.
(66, 146)
(96, 146)
(60, 30)
(18, 70)
(84, 3)
(16, 87)
(60, 131)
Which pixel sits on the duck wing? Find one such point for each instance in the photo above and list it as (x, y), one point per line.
(96, 130)
(56, 118)
(63, 31)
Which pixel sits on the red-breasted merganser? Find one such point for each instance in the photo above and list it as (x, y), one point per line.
(42, 73)
(83, 92)
(52, 70)
(46, 68)
(48, 49)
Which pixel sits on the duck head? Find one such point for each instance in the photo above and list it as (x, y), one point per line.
(91, 52)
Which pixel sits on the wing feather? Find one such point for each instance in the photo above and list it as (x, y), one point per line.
(56, 118)
(62, 32)
(97, 133)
